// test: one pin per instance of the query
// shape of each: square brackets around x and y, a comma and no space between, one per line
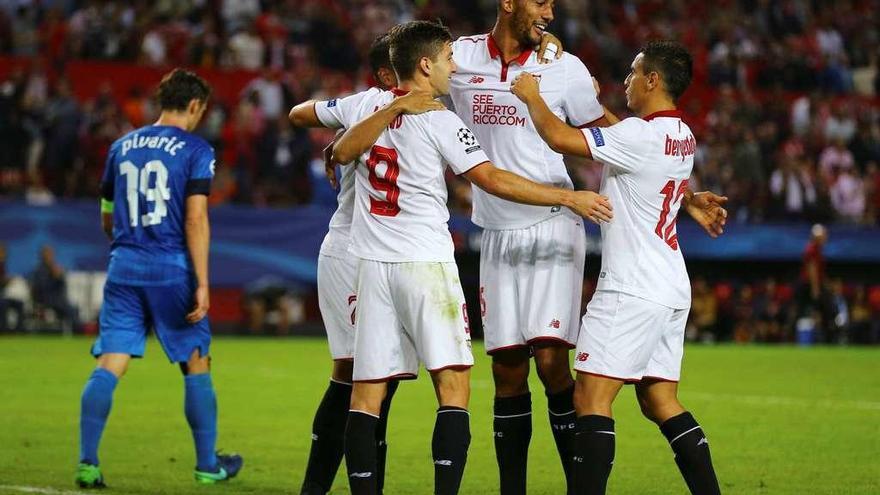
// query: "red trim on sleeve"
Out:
[398,92]
[677,114]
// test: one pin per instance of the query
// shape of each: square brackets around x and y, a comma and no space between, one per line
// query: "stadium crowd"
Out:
[784,104]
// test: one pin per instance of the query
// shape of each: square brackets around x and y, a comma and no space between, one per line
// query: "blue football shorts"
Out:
[129,311]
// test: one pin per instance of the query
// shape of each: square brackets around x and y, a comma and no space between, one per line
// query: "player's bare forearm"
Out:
[512,187]
[561,137]
[305,115]
[361,136]
[198,236]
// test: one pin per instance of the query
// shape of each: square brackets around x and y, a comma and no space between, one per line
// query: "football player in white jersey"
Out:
[410,304]
[337,299]
[633,331]
[532,257]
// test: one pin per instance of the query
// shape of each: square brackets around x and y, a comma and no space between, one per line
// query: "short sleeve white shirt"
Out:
[647,165]
[332,114]
[400,212]
[480,93]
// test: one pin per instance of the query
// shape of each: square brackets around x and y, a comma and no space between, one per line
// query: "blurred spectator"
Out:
[792,189]
[773,103]
[815,309]
[848,196]
[11,308]
[864,325]
[704,312]
[247,48]
[840,322]
[49,289]
[771,313]
[836,156]
[744,314]
[271,303]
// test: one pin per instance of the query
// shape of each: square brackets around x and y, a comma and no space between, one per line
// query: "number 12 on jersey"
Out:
[671,196]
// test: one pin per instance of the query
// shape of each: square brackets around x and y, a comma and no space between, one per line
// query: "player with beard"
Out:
[410,305]
[532,257]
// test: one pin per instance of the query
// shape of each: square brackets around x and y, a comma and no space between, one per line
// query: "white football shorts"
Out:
[337,300]
[531,281]
[408,313]
[630,338]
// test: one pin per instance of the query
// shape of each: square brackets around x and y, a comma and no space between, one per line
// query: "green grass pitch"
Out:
[781,420]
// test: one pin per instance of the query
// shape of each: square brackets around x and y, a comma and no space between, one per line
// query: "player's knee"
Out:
[114,363]
[659,408]
[510,370]
[592,399]
[197,364]
[367,397]
[645,407]
[553,369]
[453,387]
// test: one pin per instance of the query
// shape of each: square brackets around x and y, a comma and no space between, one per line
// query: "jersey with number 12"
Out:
[149,174]
[647,165]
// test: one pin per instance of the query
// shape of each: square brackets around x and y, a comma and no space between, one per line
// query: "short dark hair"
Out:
[672,61]
[179,87]
[413,40]
[379,55]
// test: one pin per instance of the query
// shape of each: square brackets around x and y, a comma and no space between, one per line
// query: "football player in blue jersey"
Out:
[154,208]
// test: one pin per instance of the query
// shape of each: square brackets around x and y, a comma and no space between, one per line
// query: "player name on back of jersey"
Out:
[680,147]
[170,145]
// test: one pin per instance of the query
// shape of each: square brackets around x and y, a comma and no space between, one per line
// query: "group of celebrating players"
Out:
[388,285]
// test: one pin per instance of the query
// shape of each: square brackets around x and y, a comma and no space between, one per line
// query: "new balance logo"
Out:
[443,462]
[314,437]
[554,324]
[702,441]
[476,80]
[360,475]
[583,356]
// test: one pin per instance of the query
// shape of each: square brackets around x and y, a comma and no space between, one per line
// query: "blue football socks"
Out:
[200,406]
[97,397]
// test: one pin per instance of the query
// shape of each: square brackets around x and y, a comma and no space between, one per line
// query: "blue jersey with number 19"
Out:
[148,175]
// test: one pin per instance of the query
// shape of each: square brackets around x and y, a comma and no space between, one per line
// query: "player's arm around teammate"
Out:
[706,208]
[632,332]
[498,182]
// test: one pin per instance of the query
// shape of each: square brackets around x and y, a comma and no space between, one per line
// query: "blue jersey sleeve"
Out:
[201,171]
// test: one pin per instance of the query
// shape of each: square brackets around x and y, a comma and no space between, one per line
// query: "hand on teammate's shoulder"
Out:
[416,102]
